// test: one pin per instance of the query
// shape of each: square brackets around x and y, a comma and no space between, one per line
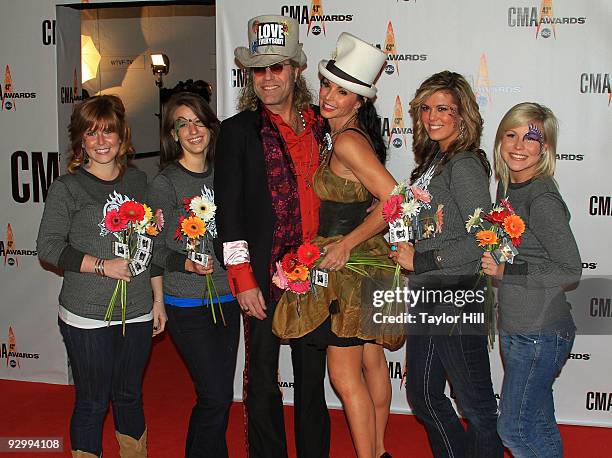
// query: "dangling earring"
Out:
[462,129]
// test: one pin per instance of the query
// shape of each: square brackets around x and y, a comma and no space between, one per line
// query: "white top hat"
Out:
[354,65]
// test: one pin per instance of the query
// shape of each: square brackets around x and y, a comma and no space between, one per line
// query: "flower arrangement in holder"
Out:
[197,228]
[132,223]
[401,211]
[499,232]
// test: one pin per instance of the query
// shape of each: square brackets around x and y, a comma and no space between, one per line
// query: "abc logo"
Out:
[8,105]
[389,69]
[397,142]
[316,30]
[545,33]
[13,363]
[10,261]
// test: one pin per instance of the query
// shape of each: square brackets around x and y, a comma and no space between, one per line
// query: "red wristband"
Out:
[241,278]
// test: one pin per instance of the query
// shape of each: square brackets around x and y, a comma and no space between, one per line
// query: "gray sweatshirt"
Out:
[167,191]
[69,230]
[531,293]
[461,185]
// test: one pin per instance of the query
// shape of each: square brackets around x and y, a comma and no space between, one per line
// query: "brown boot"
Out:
[80,454]
[130,447]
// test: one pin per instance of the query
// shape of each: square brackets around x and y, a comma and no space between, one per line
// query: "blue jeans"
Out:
[209,349]
[106,367]
[527,423]
[464,360]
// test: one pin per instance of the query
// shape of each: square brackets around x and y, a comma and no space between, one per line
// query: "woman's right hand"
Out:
[117,268]
[199,269]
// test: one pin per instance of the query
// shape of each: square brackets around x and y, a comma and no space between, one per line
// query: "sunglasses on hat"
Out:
[276,69]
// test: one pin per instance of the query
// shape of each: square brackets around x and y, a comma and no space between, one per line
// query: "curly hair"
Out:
[520,115]
[302,97]
[424,148]
[99,112]
[171,149]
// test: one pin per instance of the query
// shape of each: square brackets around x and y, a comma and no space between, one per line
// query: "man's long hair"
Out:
[302,97]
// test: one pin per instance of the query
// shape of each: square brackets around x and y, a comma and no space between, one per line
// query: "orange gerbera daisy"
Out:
[193,227]
[299,273]
[514,226]
[152,231]
[486,238]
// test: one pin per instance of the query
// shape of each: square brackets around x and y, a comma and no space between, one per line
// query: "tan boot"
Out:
[130,447]
[80,454]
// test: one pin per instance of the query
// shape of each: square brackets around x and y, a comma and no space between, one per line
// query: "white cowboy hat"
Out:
[354,65]
[272,39]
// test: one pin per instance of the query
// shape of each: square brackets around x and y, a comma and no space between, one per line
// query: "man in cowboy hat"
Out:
[266,207]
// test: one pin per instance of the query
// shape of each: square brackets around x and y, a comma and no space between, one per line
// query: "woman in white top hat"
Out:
[350,174]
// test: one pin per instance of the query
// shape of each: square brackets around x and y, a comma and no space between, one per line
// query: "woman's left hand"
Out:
[159,317]
[403,255]
[490,267]
[336,256]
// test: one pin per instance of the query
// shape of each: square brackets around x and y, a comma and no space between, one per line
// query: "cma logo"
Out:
[32,174]
[600,205]
[597,400]
[315,17]
[68,95]
[600,307]
[395,370]
[48,32]
[596,83]
[239,77]
[580,356]
[589,265]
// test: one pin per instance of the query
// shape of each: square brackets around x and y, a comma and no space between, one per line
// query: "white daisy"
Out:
[474,220]
[411,208]
[400,189]
[203,208]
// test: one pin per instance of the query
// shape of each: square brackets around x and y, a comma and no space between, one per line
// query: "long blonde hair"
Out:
[520,115]
[471,125]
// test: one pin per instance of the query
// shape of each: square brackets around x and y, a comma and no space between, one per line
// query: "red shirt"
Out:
[304,152]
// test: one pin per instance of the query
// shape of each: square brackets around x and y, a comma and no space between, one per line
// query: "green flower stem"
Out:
[214,287]
[123,303]
[111,304]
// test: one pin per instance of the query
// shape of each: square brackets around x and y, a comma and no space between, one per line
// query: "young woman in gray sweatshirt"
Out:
[107,365]
[446,137]
[207,343]
[535,323]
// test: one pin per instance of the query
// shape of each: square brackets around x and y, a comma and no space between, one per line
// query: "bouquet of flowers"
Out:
[130,222]
[401,211]
[499,231]
[197,228]
[297,272]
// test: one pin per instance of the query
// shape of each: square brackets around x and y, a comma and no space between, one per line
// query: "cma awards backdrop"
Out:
[556,52]
[36,99]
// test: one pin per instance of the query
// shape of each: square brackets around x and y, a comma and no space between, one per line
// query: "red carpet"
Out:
[43,410]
